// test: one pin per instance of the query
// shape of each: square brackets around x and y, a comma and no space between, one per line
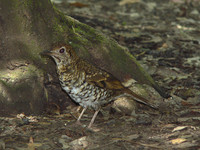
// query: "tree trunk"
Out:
[29,26]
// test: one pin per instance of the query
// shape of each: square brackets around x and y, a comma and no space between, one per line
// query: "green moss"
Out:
[27,3]
[58,28]
[124,23]
[90,33]
[115,53]
[4,83]
[65,27]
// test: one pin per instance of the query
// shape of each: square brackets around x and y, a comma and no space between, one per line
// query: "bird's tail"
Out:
[139,99]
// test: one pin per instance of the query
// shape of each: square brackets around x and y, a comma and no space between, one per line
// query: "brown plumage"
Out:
[87,84]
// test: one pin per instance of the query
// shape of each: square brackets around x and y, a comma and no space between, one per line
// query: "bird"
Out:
[87,84]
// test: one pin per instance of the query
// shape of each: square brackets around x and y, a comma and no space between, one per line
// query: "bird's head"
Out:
[61,54]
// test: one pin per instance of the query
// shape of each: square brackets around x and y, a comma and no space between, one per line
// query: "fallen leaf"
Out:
[133,137]
[178,141]
[32,145]
[124,2]
[82,142]
[179,128]
[78,4]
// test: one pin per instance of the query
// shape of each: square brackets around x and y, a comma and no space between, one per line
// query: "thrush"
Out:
[86,84]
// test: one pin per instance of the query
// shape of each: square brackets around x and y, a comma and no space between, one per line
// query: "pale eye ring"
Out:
[62,50]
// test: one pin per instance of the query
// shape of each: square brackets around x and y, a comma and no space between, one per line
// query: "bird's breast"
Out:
[86,94]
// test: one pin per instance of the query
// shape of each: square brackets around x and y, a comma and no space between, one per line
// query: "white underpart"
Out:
[79,97]
[66,88]
[76,90]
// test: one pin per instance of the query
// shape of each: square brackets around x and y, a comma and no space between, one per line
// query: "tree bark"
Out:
[29,26]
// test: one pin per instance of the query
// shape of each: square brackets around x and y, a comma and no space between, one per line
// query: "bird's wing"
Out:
[104,80]
[108,81]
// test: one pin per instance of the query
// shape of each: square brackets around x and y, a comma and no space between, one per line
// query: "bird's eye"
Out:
[62,50]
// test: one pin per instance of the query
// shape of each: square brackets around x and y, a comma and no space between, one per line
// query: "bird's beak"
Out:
[46,53]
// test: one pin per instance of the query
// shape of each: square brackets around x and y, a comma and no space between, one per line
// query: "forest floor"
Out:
[164,36]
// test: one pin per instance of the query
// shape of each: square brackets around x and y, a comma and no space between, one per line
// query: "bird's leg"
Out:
[93,118]
[79,118]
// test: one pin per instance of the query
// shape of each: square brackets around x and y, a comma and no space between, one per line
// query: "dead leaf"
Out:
[163,46]
[179,128]
[82,142]
[78,4]
[32,145]
[178,141]
[133,137]
[123,2]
